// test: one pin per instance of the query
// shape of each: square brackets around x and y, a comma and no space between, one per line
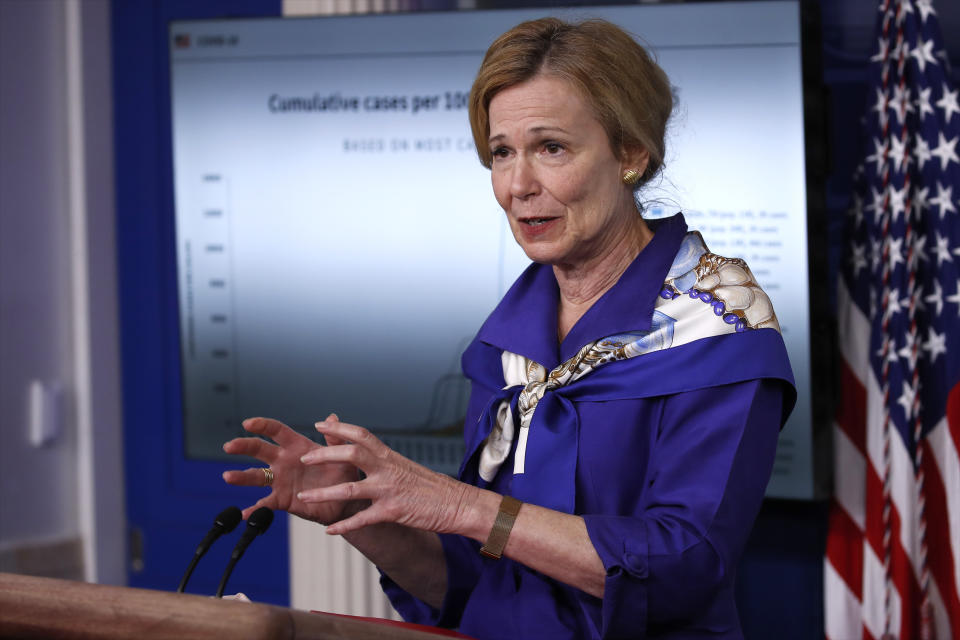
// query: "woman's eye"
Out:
[499,152]
[553,148]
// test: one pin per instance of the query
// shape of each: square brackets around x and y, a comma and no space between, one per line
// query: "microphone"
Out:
[257,524]
[226,522]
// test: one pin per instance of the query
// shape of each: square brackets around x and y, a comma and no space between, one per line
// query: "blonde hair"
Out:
[629,93]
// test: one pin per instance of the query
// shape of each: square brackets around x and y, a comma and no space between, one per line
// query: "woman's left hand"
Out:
[399,489]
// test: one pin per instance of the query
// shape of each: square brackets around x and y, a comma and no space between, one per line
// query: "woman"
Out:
[628,389]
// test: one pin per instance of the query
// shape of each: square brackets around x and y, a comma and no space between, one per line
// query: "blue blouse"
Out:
[668,480]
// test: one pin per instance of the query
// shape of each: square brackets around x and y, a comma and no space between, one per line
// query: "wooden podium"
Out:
[46,608]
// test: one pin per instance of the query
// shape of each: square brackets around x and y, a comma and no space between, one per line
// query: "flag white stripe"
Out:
[874,419]
[873,594]
[850,478]
[842,617]
[903,492]
[855,329]
[903,487]
[899,494]
[945,455]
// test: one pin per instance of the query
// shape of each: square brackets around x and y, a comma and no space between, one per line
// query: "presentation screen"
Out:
[338,241]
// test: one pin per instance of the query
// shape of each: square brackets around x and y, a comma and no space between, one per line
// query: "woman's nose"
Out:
[523,181]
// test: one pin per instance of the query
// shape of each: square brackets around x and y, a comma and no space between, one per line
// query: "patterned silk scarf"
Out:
[704,295]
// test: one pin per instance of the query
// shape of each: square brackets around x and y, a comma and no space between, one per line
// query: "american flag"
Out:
[892,567]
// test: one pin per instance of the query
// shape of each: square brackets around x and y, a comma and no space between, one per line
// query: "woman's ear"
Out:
[636,158]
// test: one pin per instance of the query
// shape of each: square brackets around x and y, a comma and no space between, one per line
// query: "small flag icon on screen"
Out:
[181,40]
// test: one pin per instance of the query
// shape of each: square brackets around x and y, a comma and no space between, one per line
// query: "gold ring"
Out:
[267,476]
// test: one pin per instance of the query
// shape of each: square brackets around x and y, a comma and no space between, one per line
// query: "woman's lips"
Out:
[534,227]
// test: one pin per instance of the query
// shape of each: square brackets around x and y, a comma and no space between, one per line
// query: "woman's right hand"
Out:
[290,476]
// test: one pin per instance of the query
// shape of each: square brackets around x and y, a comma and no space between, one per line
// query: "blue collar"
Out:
[525,321]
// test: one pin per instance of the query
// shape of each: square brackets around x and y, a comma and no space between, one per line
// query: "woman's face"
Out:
[555,175]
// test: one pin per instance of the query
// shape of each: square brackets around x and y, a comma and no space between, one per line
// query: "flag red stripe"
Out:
[940,559]
[901,570]
[873,512]
[905,581]
[852,413]
[845,549]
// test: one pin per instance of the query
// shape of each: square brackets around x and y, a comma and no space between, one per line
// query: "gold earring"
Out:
[630,176]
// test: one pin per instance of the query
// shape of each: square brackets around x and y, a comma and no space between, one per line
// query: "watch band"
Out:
[497,540]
